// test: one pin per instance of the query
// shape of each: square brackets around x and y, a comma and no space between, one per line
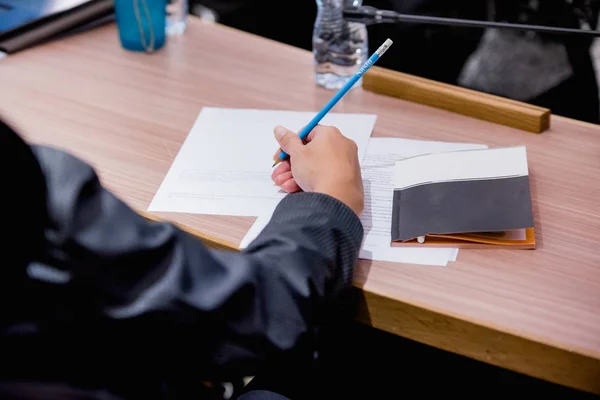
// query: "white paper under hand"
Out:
[224,166]
[255,230]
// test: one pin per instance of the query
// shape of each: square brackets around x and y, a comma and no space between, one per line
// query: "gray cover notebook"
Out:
[473,198]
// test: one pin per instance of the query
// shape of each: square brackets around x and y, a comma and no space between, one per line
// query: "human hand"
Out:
[327,163]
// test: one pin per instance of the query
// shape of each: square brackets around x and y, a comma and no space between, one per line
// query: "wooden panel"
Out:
[459,100]
[129,113]
[480,343]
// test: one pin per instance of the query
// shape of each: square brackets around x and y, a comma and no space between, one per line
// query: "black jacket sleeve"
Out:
[123,279]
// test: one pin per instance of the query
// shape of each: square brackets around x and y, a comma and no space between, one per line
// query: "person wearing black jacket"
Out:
[99,303]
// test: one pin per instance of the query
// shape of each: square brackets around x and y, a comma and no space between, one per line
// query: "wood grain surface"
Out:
[536,312]
[468,102]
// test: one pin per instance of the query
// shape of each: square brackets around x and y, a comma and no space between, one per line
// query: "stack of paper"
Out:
[377,173]
[224,167]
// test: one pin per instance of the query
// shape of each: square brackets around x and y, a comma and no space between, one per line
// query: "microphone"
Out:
[370,15]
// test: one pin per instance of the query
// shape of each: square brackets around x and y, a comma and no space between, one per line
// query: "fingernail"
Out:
[280,131]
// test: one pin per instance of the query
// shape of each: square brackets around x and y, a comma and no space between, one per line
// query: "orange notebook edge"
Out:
[464,242]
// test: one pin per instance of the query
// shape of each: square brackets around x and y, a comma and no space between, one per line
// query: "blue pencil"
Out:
[315,121]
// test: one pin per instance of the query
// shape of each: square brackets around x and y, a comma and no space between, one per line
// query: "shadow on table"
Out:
[539,237]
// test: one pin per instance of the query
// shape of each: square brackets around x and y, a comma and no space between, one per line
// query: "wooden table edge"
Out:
[481,341]
[478,340]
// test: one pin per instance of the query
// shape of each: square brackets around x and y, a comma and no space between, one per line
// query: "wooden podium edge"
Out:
[456,99]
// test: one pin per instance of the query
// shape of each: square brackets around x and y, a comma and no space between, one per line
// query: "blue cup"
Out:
[141,24]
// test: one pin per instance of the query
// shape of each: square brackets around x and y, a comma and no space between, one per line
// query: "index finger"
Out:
[276,155]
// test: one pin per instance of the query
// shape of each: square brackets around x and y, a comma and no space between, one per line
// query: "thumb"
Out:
[288,140]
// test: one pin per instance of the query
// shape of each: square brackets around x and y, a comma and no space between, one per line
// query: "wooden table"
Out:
[536,312]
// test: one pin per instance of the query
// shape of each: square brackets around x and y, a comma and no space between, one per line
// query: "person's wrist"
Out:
[349,197]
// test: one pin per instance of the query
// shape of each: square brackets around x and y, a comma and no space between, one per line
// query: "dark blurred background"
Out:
[551,71]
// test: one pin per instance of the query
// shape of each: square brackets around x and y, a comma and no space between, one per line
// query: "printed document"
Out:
[224,166]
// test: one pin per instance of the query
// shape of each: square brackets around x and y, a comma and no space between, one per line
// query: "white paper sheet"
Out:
[458,166]
[377,222]
[378,173]
[224,166]
[454,255]
[255,230]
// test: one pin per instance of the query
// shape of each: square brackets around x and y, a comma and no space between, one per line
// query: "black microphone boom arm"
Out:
[370,15]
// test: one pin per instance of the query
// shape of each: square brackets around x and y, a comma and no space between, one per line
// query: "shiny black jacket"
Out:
[94,299]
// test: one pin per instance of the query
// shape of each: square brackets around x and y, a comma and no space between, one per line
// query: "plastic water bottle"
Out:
[340,48]
[177,11]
